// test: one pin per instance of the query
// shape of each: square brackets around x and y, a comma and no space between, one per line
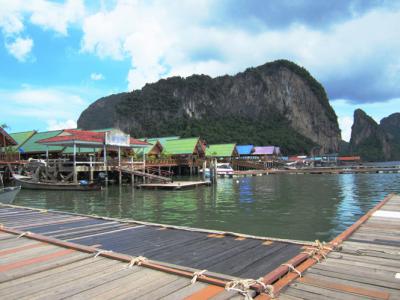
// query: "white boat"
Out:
[222,169]
[8,194]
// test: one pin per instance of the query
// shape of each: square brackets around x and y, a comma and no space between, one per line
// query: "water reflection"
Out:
[305,207]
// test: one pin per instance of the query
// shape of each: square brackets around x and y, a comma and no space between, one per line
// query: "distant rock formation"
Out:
[368,139]
[391,126]
[276,103]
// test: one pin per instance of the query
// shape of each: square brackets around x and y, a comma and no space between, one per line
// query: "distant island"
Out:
[278,103]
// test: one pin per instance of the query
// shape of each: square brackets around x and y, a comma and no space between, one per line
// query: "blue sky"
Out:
[57,57]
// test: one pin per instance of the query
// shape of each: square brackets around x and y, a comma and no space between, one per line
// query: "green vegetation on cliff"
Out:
[270,104]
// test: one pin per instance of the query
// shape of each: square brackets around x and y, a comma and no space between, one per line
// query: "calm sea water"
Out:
[303,207]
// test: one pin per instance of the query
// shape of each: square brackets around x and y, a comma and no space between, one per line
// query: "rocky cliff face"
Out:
[368,139]
[391,126]
[276,103]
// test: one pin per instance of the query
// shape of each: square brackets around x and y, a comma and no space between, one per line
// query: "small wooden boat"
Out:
[8,194]
[27,182]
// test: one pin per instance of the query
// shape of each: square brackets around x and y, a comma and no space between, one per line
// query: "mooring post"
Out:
[119,166]
[204,169]
[75,172]
[105,161]
[91,168]
[132,175]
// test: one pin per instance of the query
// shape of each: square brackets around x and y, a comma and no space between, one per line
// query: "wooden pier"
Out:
[33,269]
[361,263]
[175,185]
[317,171]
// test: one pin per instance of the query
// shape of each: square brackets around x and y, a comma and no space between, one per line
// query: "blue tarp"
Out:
[244,149]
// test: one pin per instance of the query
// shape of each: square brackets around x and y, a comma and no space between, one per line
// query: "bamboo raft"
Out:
[363,262]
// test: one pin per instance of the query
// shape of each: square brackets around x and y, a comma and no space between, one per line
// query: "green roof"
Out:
[31,145]
[21,138]
[162,140]
[221,150]
[180,146]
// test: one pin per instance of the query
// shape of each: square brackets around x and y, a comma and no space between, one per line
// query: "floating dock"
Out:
[361,263]
[318,171]
[365,264]
[175,185]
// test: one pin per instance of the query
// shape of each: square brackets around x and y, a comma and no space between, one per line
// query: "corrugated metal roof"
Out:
[265,150]
[31,146]
[244,149]
[180,146]
[160,139]
[70,136]
[221,150]
[21,138]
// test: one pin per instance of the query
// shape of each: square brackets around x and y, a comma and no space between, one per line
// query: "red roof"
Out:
[349,158]
[9,140]
[69,135]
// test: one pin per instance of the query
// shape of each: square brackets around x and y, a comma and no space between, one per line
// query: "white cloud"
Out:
[47,15]
[50,105]
[57,125]
[160,40]
[56,16]
[20,48]
[96,76]
[345,123]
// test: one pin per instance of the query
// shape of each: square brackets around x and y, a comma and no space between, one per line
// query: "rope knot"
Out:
[137,261]
[243,286]
[196,275]
[291,267]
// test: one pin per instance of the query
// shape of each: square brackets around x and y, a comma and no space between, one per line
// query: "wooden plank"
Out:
[40,284]
[314,292]
[43,266]
[344,288]
[371,281]
[167,289]
[78,285]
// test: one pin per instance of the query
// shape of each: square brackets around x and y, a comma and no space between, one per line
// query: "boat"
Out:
[27,182]
[8,194]
[222,170]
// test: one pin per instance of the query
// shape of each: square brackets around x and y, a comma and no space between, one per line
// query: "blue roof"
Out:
[244,149]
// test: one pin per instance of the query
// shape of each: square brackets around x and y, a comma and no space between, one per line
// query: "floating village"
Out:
[83,159]
[50,254]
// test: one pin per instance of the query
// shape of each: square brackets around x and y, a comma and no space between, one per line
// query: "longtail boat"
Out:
[27,182]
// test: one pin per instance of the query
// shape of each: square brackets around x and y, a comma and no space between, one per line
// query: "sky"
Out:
[57,57]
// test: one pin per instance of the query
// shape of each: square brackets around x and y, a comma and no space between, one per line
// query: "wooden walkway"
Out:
[361,263]
[183,251]
[32,269]
[364,265]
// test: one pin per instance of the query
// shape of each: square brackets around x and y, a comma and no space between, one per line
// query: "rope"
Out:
[137,261]
[319,248]
[23,234]
[291,267]
[100,252]
[197,275]
[243,286]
